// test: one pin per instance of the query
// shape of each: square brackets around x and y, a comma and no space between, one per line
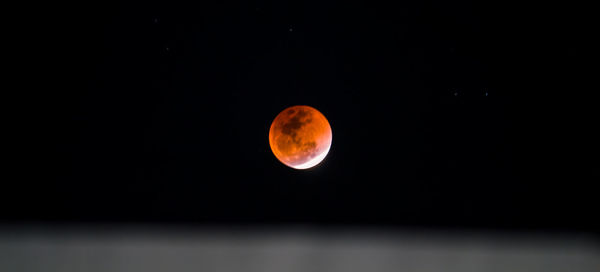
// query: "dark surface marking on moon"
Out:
[295,123]
[291,127]
[309,146]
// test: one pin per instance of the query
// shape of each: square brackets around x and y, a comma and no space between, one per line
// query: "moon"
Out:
[300,137]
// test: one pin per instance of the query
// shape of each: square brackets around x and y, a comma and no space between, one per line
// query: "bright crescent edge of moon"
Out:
[314,161]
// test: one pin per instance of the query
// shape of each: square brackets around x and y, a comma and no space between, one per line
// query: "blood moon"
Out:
[300,137]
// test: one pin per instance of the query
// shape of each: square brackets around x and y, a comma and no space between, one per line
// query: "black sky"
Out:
[443,115]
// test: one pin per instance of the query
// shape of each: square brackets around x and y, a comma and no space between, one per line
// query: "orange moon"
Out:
[300,137]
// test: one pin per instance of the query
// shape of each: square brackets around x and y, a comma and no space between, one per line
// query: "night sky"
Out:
[444,115]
